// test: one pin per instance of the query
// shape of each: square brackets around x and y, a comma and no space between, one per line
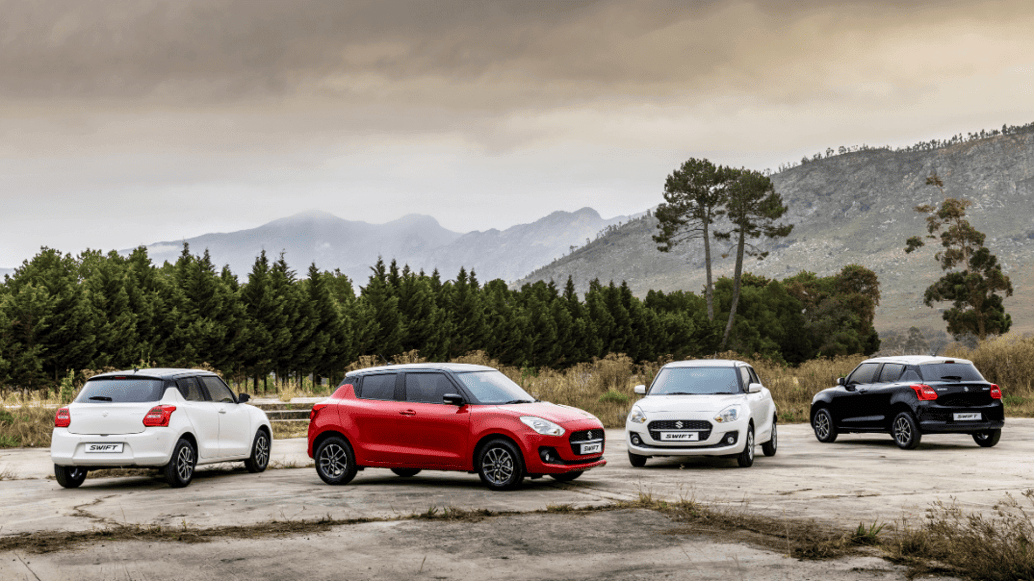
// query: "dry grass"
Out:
[1009,362]
[284,430]
[992,548]
[8,473]
[27,424]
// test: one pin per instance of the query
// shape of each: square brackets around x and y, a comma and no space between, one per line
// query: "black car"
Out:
[909,396]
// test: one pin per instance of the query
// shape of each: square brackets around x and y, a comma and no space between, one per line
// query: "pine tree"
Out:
[379,297]
[467,315]
[105,280]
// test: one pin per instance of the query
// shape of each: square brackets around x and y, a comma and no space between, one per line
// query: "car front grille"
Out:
[585,436]
[702,426]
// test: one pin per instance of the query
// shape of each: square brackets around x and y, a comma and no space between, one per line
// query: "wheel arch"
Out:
[496,436]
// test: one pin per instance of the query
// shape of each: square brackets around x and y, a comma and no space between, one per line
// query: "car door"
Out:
[432,433]
[235,431]
[765,410]
[203,416]
[876,398]
[850,410]
[376,414]
[756,402]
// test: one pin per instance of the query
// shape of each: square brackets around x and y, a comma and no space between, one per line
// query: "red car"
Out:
[449,417]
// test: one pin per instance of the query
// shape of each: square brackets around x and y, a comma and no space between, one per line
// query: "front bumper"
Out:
[641,440]
[152,447]
[560,454]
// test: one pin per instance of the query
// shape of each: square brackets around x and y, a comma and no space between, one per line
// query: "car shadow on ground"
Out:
[964,441]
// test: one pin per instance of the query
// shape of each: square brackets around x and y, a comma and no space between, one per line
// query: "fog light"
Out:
[730,439]
[548,455]
[636,441]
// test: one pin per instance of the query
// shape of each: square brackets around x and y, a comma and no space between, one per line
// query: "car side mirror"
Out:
[841,381]
[640,389]
[754,388]
[243,397]
[453,399]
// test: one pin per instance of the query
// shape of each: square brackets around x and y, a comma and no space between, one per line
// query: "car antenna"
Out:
[383,359]
[135,369]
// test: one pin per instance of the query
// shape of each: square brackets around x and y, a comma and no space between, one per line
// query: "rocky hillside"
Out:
[855,208]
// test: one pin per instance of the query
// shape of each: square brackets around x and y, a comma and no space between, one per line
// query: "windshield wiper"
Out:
[518,401]
[682,393]
[100,397]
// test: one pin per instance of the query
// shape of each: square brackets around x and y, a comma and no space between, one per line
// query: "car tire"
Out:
[567,476]
[180,469]
[69,476]
[335,461]
[905,431]
[259,453]
[406,472]
[987,438]
[500,465]
[746,458]
[770,447]
[825,429]
[636,460]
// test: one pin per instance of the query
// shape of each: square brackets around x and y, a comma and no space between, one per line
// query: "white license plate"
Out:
[964,417]
[104,448]
[680,436]
[592,448]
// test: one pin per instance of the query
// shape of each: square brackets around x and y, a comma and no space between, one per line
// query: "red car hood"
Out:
[558,414]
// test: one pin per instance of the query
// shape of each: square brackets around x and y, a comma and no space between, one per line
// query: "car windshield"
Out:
[121,390]
[950,372]
[493,388]
[695,381]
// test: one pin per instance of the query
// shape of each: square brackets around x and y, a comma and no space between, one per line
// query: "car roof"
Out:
[156,372]
[916,359]
[707,363]
[454,367]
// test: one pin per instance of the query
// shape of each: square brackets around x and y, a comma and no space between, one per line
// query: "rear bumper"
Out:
[941,419]
[943,427]
[152,447]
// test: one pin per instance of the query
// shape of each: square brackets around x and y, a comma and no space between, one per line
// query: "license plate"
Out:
[680,436]
[592,448]
[104,448]
[964,417]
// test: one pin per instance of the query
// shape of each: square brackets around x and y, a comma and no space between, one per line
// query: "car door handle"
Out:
[222,411]
[408,413]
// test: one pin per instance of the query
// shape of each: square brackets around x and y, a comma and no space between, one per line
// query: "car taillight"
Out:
[924,392]
[996,392]
[159,416]
[316,410]
[63,418]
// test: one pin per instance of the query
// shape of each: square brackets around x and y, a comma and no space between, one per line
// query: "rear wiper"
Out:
[100,397]
[955,377]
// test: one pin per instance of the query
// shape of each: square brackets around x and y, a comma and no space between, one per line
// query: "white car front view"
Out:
[171,419]
[702,408]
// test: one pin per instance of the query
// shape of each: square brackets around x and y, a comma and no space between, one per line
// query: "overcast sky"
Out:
[129,122]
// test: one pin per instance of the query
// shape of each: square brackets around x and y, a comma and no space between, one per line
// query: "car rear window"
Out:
[950,372]
[121,390]
[695,381]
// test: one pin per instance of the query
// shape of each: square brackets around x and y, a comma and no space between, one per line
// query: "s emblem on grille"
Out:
[965,388]
[588,435]
[678,424]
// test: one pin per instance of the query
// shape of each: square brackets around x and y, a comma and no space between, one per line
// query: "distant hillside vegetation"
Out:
[856,207]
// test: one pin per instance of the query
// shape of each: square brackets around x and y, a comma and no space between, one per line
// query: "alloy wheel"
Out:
[262,450]
[822,425]
[333,460]
[185,463]
[902,431]
[497,465]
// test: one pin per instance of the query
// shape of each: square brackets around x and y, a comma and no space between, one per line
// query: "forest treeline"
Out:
[60,313]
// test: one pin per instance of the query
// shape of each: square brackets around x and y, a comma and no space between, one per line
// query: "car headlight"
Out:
[544,427]
[637,416]
[729,414]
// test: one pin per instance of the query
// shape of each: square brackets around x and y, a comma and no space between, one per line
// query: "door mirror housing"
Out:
[841,381]
[640,390]
[754,388]
[453,399]
[243,397]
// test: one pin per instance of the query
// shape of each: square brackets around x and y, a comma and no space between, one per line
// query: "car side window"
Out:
[218,390]
[753,375]
[380,386]
[744,377]
[864,373]
[891,372]
[190,390]
[428,387]
[911,375]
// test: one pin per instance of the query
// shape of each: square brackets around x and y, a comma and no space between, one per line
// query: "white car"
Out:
[706,407]
[172,419]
